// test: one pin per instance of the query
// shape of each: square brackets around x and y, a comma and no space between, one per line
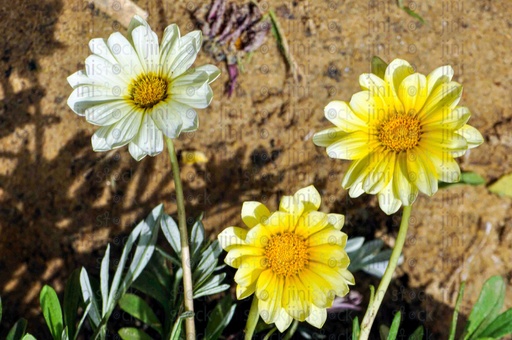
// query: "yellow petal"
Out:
[322,293]
[329,236]
[404,189]
[330,255]
[382,173]
[269,308]
[371,82]
[413,93]
[342,116]
[443,140]
[317,316]
[370,105]
[265,284]
[356,190]
[472,136]
[333,276]
[327,137]
[396,72]
[336,220]
[295,299]
[447,168]
[445,95]
[259,236]
[388,202]
[421,172]
[234,256]
[232,236]
[243,292]
[447,119]
[283,320]
[311,222]
[250,269]
[280,222]
[254,213]
[292,205]
[440,75]
[360,168]
[354,145]
[310,197]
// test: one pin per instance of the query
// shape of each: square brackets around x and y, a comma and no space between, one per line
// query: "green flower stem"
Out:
[185,249]
[373,308]
[291,330]
[252,319]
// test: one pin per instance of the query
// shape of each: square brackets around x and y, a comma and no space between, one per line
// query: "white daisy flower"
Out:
[138,91]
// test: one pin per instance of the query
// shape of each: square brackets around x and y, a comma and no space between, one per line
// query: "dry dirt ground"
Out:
[60,202]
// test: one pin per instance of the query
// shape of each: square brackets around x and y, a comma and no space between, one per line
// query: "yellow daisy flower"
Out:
[402,133]
[294,259]
[137,91]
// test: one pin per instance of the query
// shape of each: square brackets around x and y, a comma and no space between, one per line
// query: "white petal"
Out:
[212,71]
[123,131]
[99,139]
[86,96]
[189,118]
[99,47]
[327,137]
[444,95]
[196,97]
[125,54]
[136,22]
[186,53]
[404,189]
[169,46]
[413,93]
[107,113]
[105,74]
[167,117]
[283,320]
[79,78]
[146,45]
[136,152]
[396,72]
[149,138]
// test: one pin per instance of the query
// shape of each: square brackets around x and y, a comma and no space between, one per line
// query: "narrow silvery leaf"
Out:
[171,233]
[207,264]
[86,312]
[119,271]
[212,286]
[145,246]
[104,278]
[197,236]
[354,244]
[88,294]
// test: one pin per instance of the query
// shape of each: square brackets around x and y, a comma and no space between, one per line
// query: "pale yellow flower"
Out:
[294,259]
[402,133]
[138,90]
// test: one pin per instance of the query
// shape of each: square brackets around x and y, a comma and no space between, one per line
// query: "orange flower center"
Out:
[287,254]
[400,132]
[148,90]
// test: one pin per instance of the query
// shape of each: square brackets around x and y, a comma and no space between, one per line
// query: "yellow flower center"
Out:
[287,254]
[148,90]
[400,132]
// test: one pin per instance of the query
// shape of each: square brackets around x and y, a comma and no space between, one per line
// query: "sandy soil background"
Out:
[60,202]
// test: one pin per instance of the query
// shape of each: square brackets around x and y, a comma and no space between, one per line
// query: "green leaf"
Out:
[138,308]
[355,328]
[453,327]
[207,264]
[0,308]
[212,286]
[413,14]
[28,336]
[502,186]
[220,318]
[197,237]
[418,334]
[378,67]
[383,332]
[18,330]
[130,333]
[471,178]
[176,329]
[147,232]
[52,311]
[71,301]
[104,278]
[486,308]
[88,295]
[393,331]
[171,233]
[500,327]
